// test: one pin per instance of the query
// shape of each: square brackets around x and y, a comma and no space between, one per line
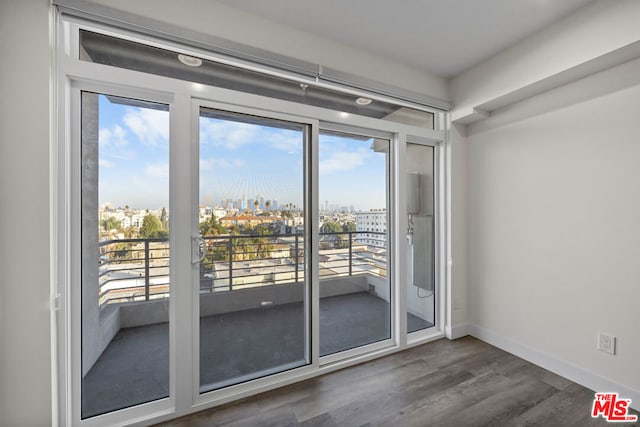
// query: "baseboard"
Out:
[457,331]
[563,368]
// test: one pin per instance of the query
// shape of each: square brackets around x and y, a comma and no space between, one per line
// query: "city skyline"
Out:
[237,160]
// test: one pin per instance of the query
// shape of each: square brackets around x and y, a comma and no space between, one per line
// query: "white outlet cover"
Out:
[606,343]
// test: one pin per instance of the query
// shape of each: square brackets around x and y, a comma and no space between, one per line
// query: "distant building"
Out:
[369,224]
[247,220]
[206,212]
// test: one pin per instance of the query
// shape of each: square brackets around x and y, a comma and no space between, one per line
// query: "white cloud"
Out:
[234,135]
[343,161]
[230,135]
[215,163]
[150,126]
[290,142]
[116,137]
[105,163]
[159,170]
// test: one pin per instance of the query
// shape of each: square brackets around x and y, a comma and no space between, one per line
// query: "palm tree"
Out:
[267,204]
[256,204]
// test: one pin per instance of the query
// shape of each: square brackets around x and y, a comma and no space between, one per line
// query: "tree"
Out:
[286,214]
[212,227]
[331,227]
[267,204]
[110,223]
[262,230]
[121,251]
[151,228]
[335,227]
[164,220]
[349,226]
[130,232]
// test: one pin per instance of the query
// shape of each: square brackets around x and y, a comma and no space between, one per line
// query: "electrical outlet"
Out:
[606,343]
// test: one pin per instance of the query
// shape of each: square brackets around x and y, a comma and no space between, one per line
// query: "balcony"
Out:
[251,311]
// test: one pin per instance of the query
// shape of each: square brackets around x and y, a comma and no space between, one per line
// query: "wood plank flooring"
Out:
[459,383]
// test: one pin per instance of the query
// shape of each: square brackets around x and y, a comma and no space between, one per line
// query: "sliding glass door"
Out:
[125,279]
[353,261]
[215,241]
[253,269]
[272,201]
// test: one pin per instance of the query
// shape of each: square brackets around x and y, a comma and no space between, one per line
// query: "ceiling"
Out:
[444,37]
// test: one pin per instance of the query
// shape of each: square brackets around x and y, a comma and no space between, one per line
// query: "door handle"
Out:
[198,249]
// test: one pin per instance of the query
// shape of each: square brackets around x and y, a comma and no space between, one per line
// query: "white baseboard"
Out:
[457,331]
[563,368]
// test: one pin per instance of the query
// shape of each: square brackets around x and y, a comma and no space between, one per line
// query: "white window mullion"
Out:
[182,189]
[399,231]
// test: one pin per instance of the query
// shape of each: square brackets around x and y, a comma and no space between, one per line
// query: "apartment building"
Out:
[372,227]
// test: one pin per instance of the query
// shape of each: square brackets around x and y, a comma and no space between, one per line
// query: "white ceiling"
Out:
[445,37]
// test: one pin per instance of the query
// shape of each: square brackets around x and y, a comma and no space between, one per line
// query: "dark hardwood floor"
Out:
[459,383]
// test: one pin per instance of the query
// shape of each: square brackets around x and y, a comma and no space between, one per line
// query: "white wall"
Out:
[539,61]
[25,351]
[233,24]
[551,204]
[554,231]
[459,292]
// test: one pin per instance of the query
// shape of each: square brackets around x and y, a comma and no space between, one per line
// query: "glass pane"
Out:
[420,238]
[125,252]
[253,295]
[355,291]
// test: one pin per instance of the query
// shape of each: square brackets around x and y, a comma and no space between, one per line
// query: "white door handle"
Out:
[198,249]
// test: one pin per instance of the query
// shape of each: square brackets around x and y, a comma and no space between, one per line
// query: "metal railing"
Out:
[133,270]
[138,269]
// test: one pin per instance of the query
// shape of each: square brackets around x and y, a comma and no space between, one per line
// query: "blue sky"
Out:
[133,156]
[235,159]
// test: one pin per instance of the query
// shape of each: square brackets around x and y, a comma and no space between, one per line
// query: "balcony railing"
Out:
[138,269]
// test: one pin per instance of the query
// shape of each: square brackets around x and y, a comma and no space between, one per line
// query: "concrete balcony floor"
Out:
[234,347]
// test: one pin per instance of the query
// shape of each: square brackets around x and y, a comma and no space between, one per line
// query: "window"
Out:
[421,274]
[230,230]
[254,305]
[355,289]
[125,252]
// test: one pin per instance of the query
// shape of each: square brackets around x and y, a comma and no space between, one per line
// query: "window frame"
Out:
[74,75]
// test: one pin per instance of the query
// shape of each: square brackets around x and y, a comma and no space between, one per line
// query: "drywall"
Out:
[212,18]
[574,44]
[552,216]
[459,291]
[25,350]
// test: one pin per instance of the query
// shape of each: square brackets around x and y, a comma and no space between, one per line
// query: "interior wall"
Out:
[598,29]
[213,18]
[25,350]
[459,291]
[552,217]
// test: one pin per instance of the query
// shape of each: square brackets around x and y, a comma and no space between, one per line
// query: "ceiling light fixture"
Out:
[190,60]
[363,101]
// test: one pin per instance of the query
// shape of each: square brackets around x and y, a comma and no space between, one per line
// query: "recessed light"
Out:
[363,101]
[190,60]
